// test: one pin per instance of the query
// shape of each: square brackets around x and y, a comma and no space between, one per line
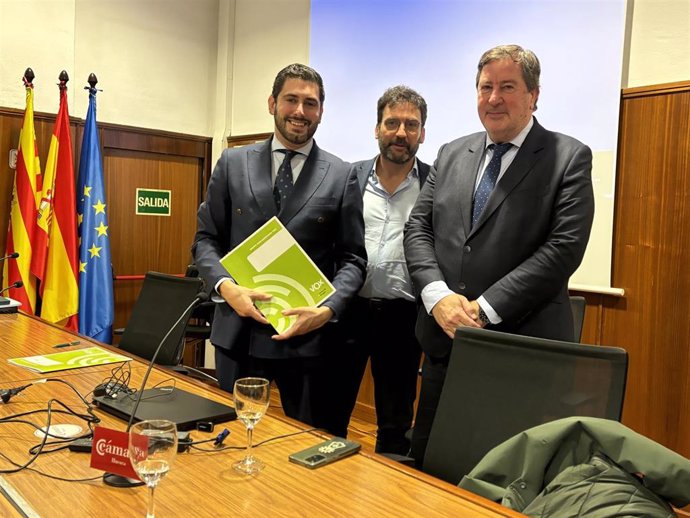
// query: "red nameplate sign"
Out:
[110,452]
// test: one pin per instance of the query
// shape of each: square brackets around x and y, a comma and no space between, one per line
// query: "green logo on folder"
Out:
[270,260]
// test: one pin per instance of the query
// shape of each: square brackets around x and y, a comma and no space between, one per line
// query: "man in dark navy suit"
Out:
[499,227]
[317,198]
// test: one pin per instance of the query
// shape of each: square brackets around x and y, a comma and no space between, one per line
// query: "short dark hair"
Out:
[297,71]
[400,94]
[524,58]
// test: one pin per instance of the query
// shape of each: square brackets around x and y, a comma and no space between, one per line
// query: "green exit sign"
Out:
[153,202]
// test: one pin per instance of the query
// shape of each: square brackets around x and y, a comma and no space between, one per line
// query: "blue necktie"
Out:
[283,185]
[488,181]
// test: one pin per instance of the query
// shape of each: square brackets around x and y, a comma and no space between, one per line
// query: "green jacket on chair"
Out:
[582,466]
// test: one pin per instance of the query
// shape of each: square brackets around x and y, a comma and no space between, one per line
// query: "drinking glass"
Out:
[152,449]
[251,403]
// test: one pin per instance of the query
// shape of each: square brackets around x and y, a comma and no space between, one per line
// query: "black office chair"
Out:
[498,385]
[577,304]
[161,301]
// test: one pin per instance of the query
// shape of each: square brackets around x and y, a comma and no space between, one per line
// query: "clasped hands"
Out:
[454,311]
[242,300]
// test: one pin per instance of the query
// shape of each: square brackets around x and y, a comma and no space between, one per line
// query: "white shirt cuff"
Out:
[494,317]
[433,292]
[216,297]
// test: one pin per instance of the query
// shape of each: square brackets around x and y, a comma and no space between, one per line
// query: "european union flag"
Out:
[96,305]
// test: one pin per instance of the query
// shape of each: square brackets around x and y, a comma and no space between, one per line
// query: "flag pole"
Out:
[96,301]
[28,78]
[93,81]
[57,260]
[20,230]
[64,77]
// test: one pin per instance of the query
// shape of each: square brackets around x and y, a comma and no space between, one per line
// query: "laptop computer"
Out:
[179,406]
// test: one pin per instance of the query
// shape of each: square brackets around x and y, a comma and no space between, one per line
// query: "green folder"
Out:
[66,360]
[271,261]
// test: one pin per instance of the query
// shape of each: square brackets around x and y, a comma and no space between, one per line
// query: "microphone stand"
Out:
[112,479]
[4,301]
[16,284]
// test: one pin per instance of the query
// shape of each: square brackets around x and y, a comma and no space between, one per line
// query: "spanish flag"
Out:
[23,211]
[55,252]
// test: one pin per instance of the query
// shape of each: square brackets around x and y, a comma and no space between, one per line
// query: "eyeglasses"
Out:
[411,125]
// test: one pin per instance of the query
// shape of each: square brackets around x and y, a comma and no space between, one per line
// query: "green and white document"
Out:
[270,260]
[69,360]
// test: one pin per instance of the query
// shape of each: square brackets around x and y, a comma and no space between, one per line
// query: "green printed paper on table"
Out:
[271,261]
[66,360]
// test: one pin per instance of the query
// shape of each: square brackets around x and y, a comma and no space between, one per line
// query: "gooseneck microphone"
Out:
[200,297]
[13,255]
[16,284]
[119,481]
[4,301]
[6,394]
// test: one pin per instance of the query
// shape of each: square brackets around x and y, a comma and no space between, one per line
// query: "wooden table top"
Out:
[203,483]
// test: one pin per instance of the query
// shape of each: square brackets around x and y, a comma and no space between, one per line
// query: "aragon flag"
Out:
[23,211]
[96,304]
[55,254]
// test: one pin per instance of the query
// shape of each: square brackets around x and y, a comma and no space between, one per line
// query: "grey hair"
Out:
[524,58]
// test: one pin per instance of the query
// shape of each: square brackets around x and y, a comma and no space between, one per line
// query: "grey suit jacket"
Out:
[323,213]
[529,240]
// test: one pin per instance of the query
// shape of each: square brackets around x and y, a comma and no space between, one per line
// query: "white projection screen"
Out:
[362,47]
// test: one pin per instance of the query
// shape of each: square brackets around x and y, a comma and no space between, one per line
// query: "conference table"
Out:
[200,483]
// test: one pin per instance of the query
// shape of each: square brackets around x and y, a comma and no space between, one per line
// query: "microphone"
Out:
[6,394]
[200,297]
[116,480]
[13,255]
[4,301]
[16,284]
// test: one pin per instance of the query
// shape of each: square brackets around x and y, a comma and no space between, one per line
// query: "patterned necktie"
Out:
[488,181]
[283,185]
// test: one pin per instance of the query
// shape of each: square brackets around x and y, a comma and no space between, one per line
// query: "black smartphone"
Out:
[81,445]
[325,452]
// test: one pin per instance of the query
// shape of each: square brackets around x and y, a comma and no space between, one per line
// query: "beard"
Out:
[295,138]
[395,157]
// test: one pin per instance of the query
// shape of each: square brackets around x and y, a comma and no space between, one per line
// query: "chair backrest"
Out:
[162,300]
[498,385]
[577,304]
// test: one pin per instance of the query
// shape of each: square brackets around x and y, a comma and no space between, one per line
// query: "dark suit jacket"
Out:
[529,240]
[323,213]
[363,169]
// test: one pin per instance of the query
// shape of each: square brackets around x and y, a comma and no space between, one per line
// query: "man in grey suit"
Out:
[499,227]
[382,316]
[317,198]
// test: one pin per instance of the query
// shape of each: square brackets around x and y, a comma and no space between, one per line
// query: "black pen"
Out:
[68,344]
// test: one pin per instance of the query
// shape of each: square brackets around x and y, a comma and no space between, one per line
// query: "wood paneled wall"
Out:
[132,157]
[135,158]
[652,263]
